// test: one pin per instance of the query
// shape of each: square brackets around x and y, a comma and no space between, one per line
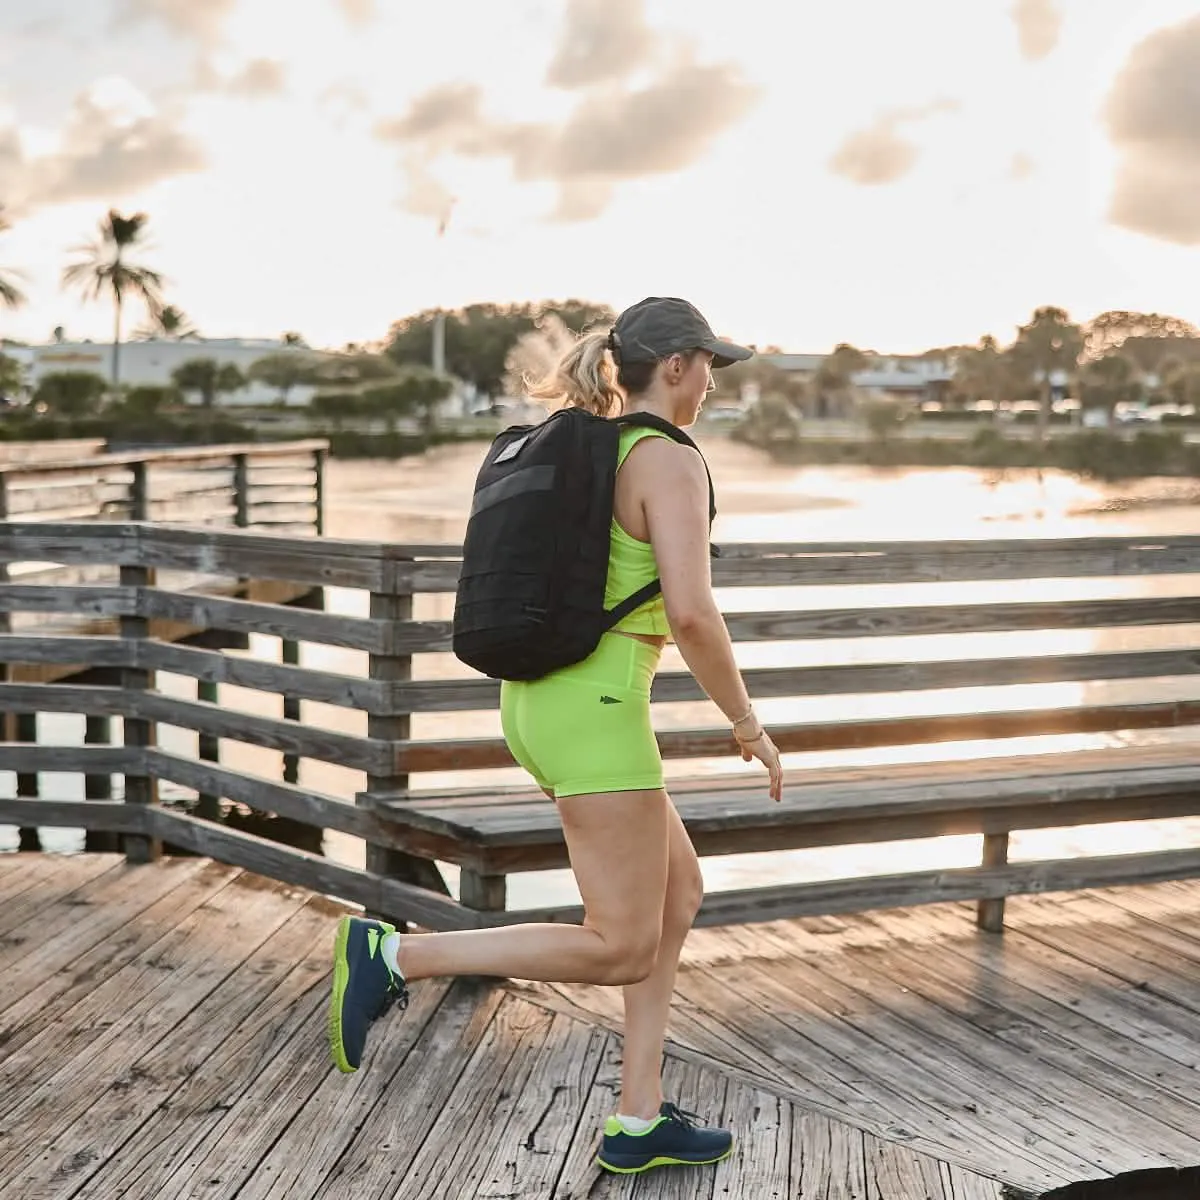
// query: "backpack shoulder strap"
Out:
[650,421]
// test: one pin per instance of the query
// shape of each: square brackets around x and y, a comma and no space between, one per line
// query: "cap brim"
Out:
[725,354]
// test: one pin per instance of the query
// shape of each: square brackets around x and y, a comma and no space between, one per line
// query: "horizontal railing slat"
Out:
[298,867]
[463,754]
[84,760]
[291,737]
[467,695]
[114,815]
[303,683]
[266,795]
[278,620]
[913,888]
[417,637]
[820,564]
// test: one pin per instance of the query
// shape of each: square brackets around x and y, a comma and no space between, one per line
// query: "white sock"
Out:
[389,948]
[634,1124]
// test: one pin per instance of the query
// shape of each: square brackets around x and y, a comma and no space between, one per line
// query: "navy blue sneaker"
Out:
[363,988]
[671,1140]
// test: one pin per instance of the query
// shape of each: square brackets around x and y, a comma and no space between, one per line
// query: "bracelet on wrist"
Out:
[743,720]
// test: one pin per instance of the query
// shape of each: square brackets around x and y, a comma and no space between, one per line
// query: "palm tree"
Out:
[168,322]
[105,269]
[11,296]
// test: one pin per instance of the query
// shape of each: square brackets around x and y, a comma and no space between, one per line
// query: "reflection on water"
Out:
[425,501]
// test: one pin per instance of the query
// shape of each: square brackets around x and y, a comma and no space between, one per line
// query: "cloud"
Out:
[358,12]
[601,40]
[1153,118]
[612,135]
[1039,23]
[259,77]
[1021,167]
[199,19]
[881,153]
[104,154]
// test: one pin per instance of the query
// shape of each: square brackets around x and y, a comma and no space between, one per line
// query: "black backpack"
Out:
[535,558]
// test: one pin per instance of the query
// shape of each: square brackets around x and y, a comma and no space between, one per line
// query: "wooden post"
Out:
[290,655]
[139,491]
[29,839]
[313,600]
[990,914]
[485,893]
[319,457]
[139,732]
[98,732]
[7,724]
[241,490]
[394,727]
[208,749]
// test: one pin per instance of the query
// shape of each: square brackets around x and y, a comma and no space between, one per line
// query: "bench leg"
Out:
[484,893]
[990,915]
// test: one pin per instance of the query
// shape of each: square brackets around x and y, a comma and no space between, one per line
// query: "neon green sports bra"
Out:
[631,562]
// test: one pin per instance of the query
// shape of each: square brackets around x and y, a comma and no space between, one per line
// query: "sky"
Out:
[899,176]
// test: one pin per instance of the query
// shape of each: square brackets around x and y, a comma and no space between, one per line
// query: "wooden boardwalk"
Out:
[161,1036]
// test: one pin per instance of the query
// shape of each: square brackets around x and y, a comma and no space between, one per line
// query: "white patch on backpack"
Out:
[512,449]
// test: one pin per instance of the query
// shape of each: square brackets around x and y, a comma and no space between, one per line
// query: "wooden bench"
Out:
[1101,587]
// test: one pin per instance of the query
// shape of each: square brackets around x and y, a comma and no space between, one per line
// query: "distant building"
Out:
[151,362]
[898,375]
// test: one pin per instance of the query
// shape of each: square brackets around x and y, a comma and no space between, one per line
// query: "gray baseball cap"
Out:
[661,325]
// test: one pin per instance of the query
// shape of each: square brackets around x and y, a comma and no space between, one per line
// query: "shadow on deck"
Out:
[162,1035]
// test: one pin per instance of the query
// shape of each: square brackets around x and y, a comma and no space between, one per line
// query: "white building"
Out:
[885,374]
[151,362]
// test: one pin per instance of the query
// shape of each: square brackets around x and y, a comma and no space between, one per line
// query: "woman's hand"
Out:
[757,744]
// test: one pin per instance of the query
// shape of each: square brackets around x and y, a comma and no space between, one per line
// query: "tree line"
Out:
[1118,356]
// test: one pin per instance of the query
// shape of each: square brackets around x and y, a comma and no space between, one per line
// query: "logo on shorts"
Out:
[609,700]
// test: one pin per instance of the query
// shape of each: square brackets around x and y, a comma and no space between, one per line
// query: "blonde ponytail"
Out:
[585,377]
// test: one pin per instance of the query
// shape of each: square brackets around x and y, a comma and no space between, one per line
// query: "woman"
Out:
[584,734]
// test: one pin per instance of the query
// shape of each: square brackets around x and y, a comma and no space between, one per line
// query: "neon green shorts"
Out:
[586,728]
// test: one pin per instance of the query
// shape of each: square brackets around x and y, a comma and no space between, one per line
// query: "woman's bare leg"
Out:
[618,845]
[647,1004]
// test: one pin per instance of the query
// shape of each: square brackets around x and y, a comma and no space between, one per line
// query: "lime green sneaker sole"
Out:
[341,977]
[663,1161]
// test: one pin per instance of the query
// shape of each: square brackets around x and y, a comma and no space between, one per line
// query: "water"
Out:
[424,500]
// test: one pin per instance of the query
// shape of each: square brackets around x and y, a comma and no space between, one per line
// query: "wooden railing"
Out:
[276,486]
[358,719]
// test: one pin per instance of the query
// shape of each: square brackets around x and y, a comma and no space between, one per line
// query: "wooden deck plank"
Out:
[897,1170]
[829,1158]
[525,1156]
[1066,1074]
[263,994]
[54,887]
[262,1095]
[21,870]
[326,1125]
[419,1085]
[29,1011]
[965,1186]
[181,1054]
[106,906]
[761,1162]
[447,1164]
[140,1004]
[1160,962]
[890,1061]
[1065,1108]
[1176,910]
[1127,1014]
[1018,1013]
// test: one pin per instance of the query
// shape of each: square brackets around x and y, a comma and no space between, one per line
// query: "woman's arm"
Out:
[675,502]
